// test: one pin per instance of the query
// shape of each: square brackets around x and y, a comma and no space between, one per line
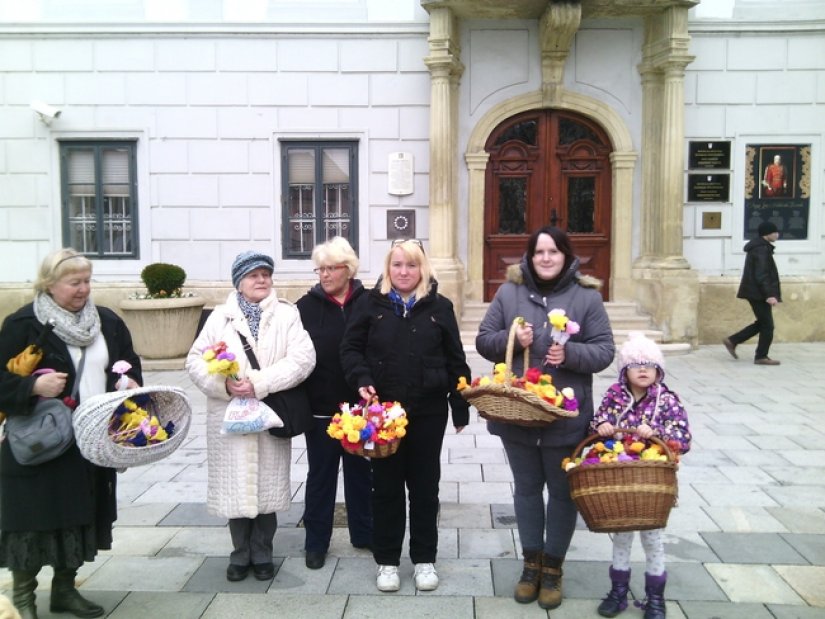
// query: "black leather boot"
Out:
[23,593]
[616,600]
[67,599]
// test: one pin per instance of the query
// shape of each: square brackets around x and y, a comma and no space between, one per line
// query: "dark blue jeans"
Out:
[541,527]
[416,467]
[762,326]
[324,455]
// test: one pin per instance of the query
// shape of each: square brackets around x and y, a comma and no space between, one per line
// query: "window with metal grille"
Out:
[99,198]
[319,195]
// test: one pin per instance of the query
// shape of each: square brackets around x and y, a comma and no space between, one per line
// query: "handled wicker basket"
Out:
[503,402]
[624,496]
[92,418]
[381,450]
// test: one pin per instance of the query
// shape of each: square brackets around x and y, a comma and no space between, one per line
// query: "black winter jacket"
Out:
[325,322]
[59,493]
[414,359]
[760,278]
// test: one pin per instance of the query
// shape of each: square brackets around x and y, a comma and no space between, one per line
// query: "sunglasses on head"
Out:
[398,242]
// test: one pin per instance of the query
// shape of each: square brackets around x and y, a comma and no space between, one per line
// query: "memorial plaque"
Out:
[708,187]
[709,156]
[401,224]
[711,220]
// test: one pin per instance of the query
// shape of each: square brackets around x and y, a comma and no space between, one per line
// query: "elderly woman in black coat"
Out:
[59,512]
[325,310]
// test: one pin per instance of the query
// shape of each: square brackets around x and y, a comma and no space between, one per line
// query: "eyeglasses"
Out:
[332,269]
[398,242]
[648,365]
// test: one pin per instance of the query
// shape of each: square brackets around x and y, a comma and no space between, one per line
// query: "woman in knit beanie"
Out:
[248,474]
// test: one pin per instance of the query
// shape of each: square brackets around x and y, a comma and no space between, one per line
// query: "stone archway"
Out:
[623,161]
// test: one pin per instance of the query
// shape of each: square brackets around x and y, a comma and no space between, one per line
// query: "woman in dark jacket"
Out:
[547,279]
[59,512]
[325,310]
[402,344]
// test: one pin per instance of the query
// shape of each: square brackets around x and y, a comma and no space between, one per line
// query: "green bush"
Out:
[163,280]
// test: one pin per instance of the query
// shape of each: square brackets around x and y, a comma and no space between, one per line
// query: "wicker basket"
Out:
[91,426]
[382,450]
[503,402]
[624,496]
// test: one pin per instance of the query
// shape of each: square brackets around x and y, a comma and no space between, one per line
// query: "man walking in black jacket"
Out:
[760,286]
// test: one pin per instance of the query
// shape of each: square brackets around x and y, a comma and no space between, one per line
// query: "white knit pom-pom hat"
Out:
[640,349]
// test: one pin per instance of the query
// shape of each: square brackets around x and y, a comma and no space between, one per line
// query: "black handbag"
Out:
[47,431]
[291,405]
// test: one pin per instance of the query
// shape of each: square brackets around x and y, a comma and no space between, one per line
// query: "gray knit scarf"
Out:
[75,328]
[252,312]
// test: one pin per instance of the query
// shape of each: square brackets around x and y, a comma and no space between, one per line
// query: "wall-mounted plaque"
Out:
[400,177]
[711,220]
[778,189]
[708,187]
[401,224]
[709,155]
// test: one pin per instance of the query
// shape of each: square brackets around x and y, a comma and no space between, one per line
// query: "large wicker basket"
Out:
[503,402]
[624,496]
[91,426]
[382,450]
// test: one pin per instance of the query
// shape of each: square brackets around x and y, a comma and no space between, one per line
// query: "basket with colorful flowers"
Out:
[372,429]
[625,483]
[133,427]
[529,400]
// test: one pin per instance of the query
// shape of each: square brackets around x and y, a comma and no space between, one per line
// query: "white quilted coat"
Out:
[249,474]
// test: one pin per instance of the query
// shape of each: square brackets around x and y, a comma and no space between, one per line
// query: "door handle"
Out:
[554,218]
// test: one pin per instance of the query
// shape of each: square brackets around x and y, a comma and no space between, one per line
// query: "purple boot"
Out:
[654,605]
[616,600]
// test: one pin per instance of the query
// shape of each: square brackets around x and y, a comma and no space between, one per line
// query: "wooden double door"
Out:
[547,167]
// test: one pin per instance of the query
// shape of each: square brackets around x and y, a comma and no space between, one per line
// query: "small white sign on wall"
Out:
[400,178]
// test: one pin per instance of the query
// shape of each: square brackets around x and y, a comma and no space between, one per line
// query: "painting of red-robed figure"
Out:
[778,172]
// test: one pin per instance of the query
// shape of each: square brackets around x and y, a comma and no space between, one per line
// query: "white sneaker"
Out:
[388,579]
[426,578]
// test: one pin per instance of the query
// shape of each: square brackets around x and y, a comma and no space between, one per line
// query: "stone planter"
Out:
[162,328]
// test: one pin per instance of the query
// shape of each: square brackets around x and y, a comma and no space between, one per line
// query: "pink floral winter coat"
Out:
[660,408]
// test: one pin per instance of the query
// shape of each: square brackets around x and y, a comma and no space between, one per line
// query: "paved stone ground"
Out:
[746,541]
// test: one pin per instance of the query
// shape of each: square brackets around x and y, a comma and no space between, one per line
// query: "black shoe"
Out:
[315,560]
[70,601]
[730,347]
[235,573]
[264,571]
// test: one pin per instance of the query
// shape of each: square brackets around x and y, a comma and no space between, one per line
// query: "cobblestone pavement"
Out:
[747,539]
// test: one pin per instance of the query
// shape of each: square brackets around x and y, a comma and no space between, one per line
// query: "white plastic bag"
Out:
[248,415]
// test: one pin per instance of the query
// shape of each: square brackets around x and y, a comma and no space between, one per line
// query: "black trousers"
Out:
[325,455]
[762,326]
[415,469]
[252,539]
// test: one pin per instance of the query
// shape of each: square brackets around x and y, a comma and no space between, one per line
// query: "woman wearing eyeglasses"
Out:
[402,344]
[547,278]
[325,310]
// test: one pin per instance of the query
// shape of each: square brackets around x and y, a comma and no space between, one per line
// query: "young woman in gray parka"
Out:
[547,278]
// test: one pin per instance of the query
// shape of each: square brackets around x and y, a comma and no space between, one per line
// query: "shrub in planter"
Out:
[163,281]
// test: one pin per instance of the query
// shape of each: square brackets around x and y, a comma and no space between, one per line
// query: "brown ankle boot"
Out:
[550,589]
[527,588]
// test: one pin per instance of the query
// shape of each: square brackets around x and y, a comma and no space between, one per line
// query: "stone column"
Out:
[666,286]
[445,71]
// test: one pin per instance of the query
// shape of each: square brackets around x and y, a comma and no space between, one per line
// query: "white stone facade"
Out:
[208,90]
